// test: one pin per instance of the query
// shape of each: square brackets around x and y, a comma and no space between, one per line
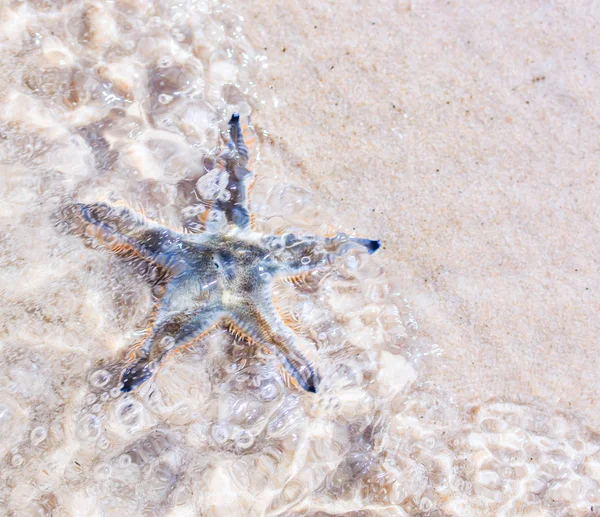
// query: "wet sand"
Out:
[464,134]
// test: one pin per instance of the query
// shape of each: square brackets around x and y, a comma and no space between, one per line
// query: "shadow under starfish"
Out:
[222,275]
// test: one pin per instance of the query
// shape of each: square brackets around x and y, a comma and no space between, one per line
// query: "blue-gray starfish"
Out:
[222,275]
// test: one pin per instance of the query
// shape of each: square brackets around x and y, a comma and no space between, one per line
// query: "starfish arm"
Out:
[236,208]
[303,254]
[236,141]
[124,232]
[171,331]
[255,318]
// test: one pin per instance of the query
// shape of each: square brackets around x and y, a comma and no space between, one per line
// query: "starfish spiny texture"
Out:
[222,275]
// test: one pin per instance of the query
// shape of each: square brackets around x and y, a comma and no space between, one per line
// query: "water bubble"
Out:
[129,413]
[284,421]
[290,240]
[115,392]
[508,473]
[178,34]
[275,244]
[124,461]
[268,391]
[100,378]
[224,196]
[165,99]
[181,495]
[103,471]
[243,439]
[16,460]
[38,435]
[425,504]
[212,184]
[167,343]
[88,428]
[164,478]
[220,432]
[305,260]
[429,442]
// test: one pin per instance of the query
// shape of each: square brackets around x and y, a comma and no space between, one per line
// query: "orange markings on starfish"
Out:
[218,264]
[239,334]
[285,315]
[296,280]
[192,342]
[288,380]
[291,322]
[328,232]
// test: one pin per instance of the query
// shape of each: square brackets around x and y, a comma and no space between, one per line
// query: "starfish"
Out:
[221,275]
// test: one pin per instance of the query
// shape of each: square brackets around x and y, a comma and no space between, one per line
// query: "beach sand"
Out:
[465,136]
[458,364]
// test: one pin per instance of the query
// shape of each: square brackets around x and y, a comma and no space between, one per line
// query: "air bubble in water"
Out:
[124,461]
[165,99]
[425,504]
[165,62]
[212,184]
[129,413]
[103,471]
[243,439]
[269,391]
[100,378]
[38,435]
[178,34]
[220,432]
[224,196]
[167,343]
[88,428]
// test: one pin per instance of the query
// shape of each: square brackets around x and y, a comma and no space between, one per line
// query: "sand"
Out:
[464,135]
[458,365]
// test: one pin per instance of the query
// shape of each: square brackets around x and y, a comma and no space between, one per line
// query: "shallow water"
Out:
[126,102]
